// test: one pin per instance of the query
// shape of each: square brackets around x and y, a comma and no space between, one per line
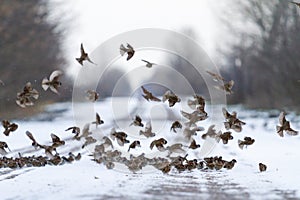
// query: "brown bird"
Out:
[193,117]
[159,143]
[134,144]
[227,87]
[194,145]
[149,96]
[137,121]
[98,120]
[56,141]
[88,140]
[75,130]
[3,145]
[198,103]
[148,130]
[262,167]
[175,125]
[247,141]
[34,142]
[175,148]
[24,98]
[232,122]
[9,127]
[107,142]
[211,132]
[284,126]
[216,77]
[148,64]
[297,4]
[129,50]
[84,56]
[120,136]
[230,164]
[53,82]
[171,97]
[189,132]
[92,95]
[225,137]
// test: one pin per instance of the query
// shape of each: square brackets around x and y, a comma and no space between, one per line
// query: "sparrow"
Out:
[232,122]
[56,141]
[129,50]
[98,120]
[159,143]
[3,145]
[166,169]
[247,141]
[194,145]
[216,77]
[148,64]
[171,97]
[88,140]
[175,148]
[53,82]
[148,130]
[189,132]
[137,121]
[75,130]
[229,164]
[211,132]
[193,117]
[92,95]
[134,144]
[225,137]
[262,167]
[198,101]
[9,127]
[24,98]
[175,125]
[120,136]
[284,126]
[227,87]
[297,4]
[84,56]
[149,96]
[107,142]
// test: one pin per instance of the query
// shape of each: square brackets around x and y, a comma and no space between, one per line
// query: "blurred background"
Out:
[255,43]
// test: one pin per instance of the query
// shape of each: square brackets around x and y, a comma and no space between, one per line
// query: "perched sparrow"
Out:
[284,126]
[53,83]
[232,122]
[175,125]
[24,98]
[129,50]
[9,127]
[149,96]
[148,64]
[84,56]
[92,95]
[262,167]
[194,145]
[75,130]
[159,143]
[247,141]
[137,121]
[98,120]
[148,130]
[230,164]
[134,144]
[171,97]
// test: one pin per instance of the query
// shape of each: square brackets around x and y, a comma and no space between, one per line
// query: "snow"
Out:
[86,179]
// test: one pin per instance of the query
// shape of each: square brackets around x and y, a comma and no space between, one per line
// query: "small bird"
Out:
[134,144]
[225,137]
[247,141]
[198,102]
[171,97]
[3,145]
[216,77]
[262,167]
[211,132]
[232,122]
[75,130]
[24,98]
[227,87]
[137,121]
[175,148]
[189,132]
[148,130]
[88,140]
[297,4]
[194,145]
[107,142]
[148,64]
[193,117]
[9,127]
[149,96]
[84,56]
[175,125]
[98,120]
[159,143]
[53,83]
[230,164]
[92,95]
[129,50]
[56,141]
[120,136]
[284,126]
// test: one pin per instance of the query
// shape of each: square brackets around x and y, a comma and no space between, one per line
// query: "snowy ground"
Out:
[86,179]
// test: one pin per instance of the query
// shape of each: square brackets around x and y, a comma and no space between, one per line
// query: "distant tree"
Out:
[264,58]
[30,48]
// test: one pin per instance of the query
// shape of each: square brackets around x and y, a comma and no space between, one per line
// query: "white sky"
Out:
[95,21]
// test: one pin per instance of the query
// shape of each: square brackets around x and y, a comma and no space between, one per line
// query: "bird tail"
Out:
[45,84]
[241,144]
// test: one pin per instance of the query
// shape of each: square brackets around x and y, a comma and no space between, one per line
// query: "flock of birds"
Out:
[105,151]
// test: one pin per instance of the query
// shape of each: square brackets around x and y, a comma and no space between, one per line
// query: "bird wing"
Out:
[82,49]
[145,91]
[55,138]
[30,136]
[55,75]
